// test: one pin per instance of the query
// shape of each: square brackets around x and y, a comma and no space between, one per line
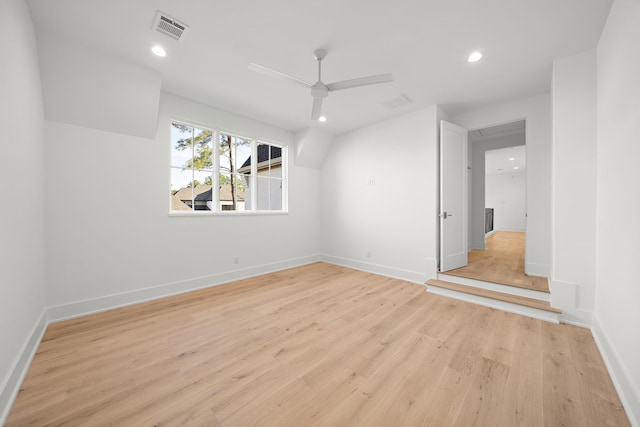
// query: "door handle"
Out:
[444,215]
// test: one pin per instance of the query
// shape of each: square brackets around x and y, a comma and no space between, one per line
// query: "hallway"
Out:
[502,262]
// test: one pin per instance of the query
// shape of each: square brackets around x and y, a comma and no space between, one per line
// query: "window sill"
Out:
[226,213]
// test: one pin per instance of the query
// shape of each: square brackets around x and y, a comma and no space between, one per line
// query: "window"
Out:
[249,175]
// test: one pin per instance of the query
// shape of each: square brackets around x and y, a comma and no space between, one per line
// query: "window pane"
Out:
[269,194]
[181,152]
[269,160]
[224,147]
[202,191]
[191,147]
[179,178]
[275,161]
[181,193]
[275,192]
[234,152]
[202,156]
[243,182]
[243,155]
[231,193]
[276,171]
[263,193]
[263,159]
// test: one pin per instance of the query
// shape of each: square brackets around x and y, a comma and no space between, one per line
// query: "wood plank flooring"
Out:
[318,345]
[502,262]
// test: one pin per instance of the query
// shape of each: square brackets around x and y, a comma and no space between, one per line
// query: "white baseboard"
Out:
[15,377]
[110,302]
[383,270]
[535,269]
[627,391]
[480,246]
[564,295]
[432,268]
[577,317]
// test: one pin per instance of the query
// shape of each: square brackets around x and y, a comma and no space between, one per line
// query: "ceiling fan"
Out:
[319,90]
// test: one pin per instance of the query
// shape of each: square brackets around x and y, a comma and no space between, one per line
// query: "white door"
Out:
[453,196]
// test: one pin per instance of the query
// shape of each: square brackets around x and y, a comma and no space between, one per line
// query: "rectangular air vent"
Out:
[399,101]
[169,26]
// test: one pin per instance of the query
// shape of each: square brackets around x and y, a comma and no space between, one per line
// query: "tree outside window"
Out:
[198,155]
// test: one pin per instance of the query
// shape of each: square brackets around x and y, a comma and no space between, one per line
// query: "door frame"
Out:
[471,178]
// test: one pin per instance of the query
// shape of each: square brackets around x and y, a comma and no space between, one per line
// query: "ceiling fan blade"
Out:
[317,108]
[362,81]
[277,74]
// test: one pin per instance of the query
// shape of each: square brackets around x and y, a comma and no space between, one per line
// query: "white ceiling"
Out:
[498,161]
[498,131]
[423,43]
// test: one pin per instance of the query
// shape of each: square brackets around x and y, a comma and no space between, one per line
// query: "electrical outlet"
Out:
[236,260]
[367,254]
[372,181]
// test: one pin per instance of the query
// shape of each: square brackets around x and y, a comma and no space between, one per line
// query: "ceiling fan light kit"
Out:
[319,90]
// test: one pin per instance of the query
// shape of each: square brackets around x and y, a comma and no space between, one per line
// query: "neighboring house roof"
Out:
[185,193]
[263,156]
[225,194]
[178,205]
[202,193]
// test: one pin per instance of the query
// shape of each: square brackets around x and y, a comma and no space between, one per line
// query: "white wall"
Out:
[379,197]
[85,87]
[22,301]
[111,240]
[574,186]
[536,111]
[478,186]
[617,306]
[505,193]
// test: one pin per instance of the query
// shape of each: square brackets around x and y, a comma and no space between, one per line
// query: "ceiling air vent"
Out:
[399,101]
[169,26]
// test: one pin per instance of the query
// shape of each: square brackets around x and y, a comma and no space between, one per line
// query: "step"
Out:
[540,284]
[507,289]
[527,306]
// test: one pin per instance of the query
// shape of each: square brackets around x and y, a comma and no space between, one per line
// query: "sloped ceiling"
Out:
[424,44]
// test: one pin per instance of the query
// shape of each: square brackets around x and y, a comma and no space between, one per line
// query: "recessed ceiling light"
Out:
[475,56]
[512,158]
[322,118]
[516,167]
[158,51]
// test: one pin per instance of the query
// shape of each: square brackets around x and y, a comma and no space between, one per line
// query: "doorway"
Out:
[497,183]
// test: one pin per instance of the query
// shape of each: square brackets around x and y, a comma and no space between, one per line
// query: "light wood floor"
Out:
[502,262]
[318,345]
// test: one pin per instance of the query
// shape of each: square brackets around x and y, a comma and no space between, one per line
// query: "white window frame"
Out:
[216,131]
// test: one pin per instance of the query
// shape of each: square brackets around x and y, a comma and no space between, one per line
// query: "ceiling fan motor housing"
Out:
[319,54]
[319,90]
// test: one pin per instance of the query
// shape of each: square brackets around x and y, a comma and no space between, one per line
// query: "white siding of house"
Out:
[269,197]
